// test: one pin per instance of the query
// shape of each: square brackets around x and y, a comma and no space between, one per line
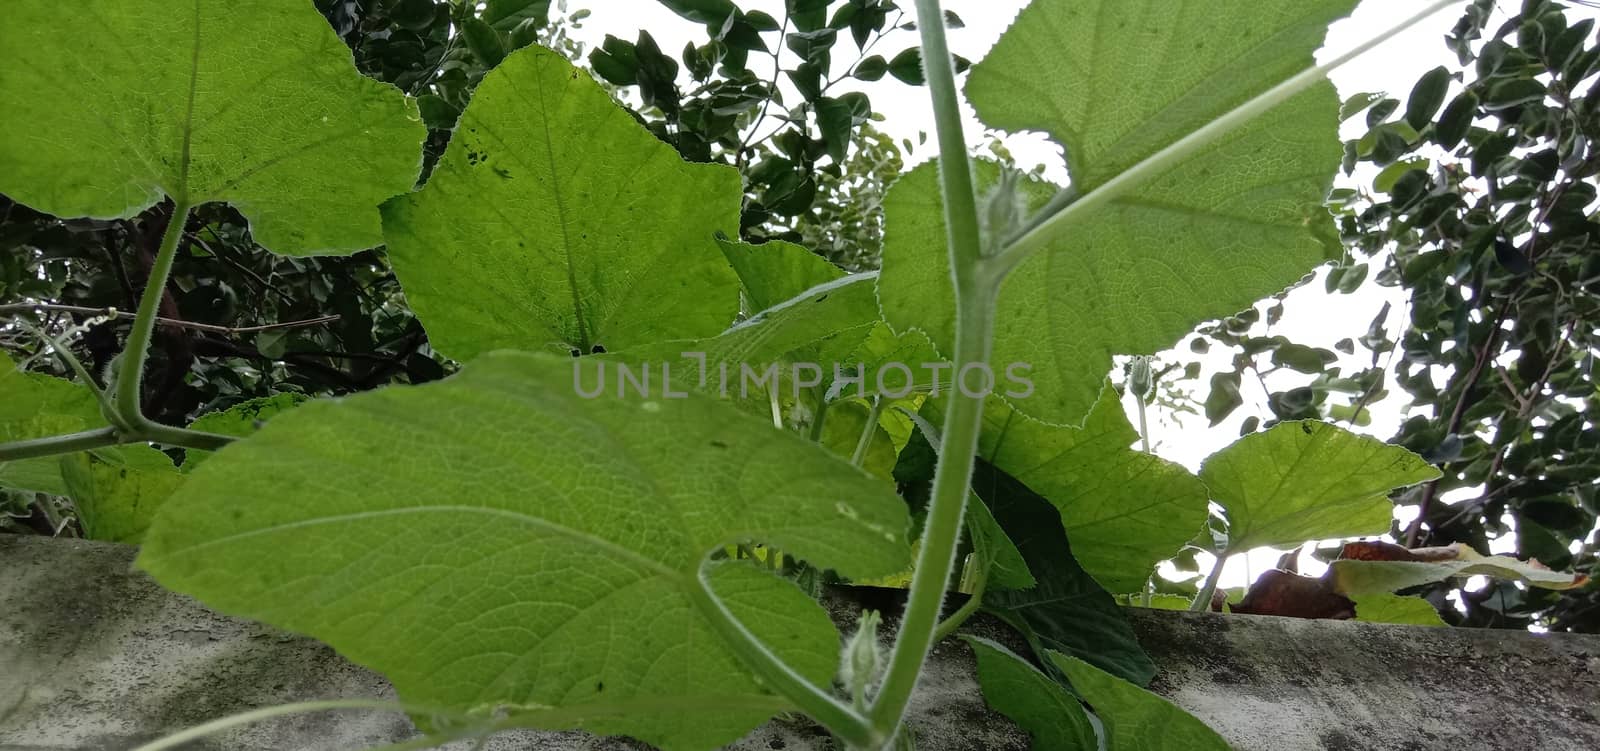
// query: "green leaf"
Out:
[1307,480]
[1388,608]
[1391,174]
[117,502]
[1067,611]
[776,271]
[1007,568]
[1135,719]
[1456,120]
[907,66]
[1302,358]
[34,405]
[871,68]
[154,98]
[1235,222]
[1037,704]
[554,220]
[846,421]
[714,12]
[1355,577]
[1358,103]
[1224,397]
[240,420]
[1427,96]
[484,42]
[1123,510]
[826,325]
[495,539]
[507,15]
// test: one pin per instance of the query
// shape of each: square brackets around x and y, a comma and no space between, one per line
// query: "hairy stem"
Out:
[822,706]
[859,456]
[59,444]
[963,420]
[1202,600]
[131,377]
[949,625]
[213,727]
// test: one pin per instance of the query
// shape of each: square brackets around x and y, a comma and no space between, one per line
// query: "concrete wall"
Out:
[95,656]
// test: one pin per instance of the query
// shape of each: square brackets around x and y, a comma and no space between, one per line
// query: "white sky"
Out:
[1311,316]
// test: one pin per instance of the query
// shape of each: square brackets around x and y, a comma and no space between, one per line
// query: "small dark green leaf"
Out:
[1381,111]
[907,66]
[1514,93]
[1427,96]
[1510,258]
[508,15]
[1357,104]
[1455,121]
[871,68]
[484,42]
[1353,277]
[710,12]
[616,60]
[437,113]
[1302,358]
[1224,397]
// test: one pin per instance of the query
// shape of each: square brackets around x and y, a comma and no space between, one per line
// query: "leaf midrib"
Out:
[565,531]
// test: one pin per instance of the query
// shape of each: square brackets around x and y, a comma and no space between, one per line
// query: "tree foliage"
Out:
[1474,196]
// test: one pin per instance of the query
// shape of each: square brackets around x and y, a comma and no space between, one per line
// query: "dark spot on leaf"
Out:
[1306,426]
[577,352]
[504,173]
[599,686]
[598,349]
[719,444]
[820,298]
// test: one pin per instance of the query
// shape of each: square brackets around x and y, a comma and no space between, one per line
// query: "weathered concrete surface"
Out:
[1286,683]
[95,656]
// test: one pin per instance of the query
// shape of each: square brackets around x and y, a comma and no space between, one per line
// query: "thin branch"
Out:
[1454,425]
[173,322]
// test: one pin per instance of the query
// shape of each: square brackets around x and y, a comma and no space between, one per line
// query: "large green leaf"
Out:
[1123,510]
[1135,719]
[1066,611]
[826,342]
[117,501]
[111,104]
[777,271]
[1115,81]
[1037,704]
[556,221]
[34,405]
[496,539]
[1307,480]
[240,420]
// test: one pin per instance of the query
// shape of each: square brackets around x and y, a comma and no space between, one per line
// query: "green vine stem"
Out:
[815,701]
[131,377]
[59,444]
[859,456]
[974,338]
[224,724]
[949,625]
[129,425]
[1202,600]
